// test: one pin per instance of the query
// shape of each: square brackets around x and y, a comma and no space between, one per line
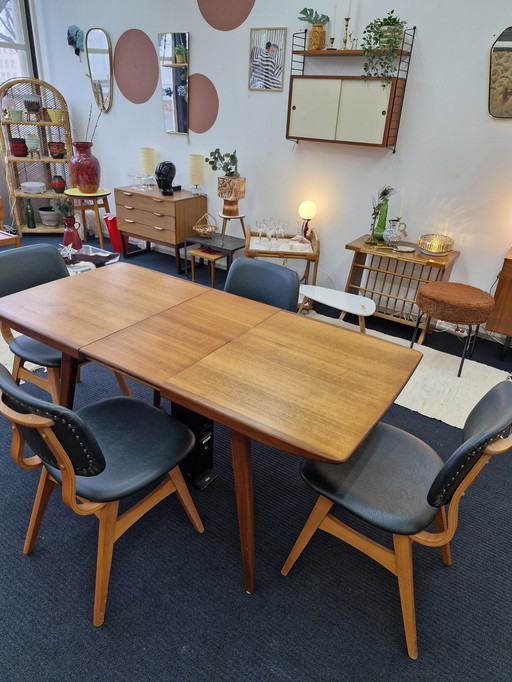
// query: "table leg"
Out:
[242,470]
[68,372]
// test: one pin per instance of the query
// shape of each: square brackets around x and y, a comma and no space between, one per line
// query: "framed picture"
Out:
[266,59]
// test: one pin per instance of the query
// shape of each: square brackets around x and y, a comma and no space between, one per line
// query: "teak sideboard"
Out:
[148,215]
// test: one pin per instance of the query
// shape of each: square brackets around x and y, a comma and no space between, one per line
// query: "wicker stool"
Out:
[455,303]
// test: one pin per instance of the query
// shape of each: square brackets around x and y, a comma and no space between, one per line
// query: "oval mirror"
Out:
[500,78]
[173,56]
[99,62]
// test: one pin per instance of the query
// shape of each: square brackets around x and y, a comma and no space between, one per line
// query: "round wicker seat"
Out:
[456,303]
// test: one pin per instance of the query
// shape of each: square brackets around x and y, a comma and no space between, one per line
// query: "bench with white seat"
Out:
[341,300]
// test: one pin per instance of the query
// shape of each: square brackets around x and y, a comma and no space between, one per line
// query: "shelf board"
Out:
[173,65]
[41,229]
[338,53]
[8,122]
[49,194]
[27,159]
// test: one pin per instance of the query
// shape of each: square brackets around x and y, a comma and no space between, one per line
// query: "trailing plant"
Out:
[63,206]
[225,162]
[381,40]
[312,16]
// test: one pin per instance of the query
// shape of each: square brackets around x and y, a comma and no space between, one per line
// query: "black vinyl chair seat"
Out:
[34,351]
[265,282]
[134,460]
[385,482]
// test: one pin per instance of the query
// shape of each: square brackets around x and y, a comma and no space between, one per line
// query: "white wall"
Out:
[452,158]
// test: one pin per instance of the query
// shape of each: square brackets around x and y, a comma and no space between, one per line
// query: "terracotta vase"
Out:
[58,184]
[71,235]
[231,190]
[85,168]
[316,40]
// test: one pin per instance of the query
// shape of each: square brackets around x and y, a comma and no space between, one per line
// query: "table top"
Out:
[230,244]
[301,385]
[75,192]
[415,256]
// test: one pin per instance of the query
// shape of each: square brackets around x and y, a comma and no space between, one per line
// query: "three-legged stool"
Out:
[226,218]
[82,202]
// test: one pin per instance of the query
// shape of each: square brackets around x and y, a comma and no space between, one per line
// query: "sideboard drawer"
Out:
[132,215]
[152,204]
[167,235]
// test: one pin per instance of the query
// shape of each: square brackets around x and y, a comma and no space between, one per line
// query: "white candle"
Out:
[402,197]
[347,15]
[333,25]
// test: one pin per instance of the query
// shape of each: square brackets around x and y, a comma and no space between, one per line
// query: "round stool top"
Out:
[455,302]
[231,217]
[75,192]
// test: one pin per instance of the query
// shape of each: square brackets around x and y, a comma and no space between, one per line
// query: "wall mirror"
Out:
[173,56]
[99,61]
[500,78]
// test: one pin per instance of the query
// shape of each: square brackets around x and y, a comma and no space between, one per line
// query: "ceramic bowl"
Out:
[33,187]
[32,142]
[48,216]
[57,149]
[55,115]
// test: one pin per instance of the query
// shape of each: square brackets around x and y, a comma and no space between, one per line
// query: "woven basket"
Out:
[206,226]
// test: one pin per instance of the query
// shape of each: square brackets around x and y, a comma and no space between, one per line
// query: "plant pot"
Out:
[49,217]
[231,190]
[18,146]
[316,39]
[57,150]
[85,168]
[180,59]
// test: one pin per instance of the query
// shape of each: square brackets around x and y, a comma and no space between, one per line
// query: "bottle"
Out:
[31,219]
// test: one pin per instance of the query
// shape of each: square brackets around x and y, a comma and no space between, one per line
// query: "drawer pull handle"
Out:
[159,201]
[128,194]
[128,221]
[158,228]
[129,208]
[158,215]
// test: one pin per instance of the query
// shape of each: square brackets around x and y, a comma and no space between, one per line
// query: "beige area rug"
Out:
[434,389]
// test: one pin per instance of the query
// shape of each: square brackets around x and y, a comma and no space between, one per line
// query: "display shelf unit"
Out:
[355,110]
[392,278]
[41,166]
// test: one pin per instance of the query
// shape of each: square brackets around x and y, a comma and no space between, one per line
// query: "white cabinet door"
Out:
[314,104]
[363,111]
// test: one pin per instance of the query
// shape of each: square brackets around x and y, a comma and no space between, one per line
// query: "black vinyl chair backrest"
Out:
[264,282]
[74,435]
[490,418]
[29,266]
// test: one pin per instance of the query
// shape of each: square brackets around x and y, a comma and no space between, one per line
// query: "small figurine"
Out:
[164,174]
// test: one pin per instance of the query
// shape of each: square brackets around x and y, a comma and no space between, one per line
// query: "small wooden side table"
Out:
[208,255]
[97,200]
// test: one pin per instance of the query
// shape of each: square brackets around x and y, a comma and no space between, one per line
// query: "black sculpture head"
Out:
[164,174]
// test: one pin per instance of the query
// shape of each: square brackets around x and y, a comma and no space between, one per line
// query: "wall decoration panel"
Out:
[225,15]
[136,66]
[203,103]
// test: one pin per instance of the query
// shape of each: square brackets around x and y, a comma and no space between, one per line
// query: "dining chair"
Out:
[397,483]
[265,282]
[22,269]
[98,455]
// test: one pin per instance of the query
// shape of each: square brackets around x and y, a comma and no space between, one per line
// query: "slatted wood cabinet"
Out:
[154,218]
[501,317]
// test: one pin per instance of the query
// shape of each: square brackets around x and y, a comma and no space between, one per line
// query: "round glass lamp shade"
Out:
[307,210]
[196,169]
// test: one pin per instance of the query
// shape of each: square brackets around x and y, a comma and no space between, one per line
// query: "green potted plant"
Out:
[381,40]
[180,54]
[316,39]
[231,187]
[64,206]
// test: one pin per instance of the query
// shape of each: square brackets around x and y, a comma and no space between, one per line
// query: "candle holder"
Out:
[331,40]
[345,34]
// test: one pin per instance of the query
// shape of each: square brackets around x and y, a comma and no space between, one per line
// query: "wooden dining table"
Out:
[296,384]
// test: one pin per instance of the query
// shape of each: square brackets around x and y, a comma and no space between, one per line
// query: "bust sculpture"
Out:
[164,174]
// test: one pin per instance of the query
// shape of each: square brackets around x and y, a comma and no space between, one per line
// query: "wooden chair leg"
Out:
[193,268]
[318,514]
[54,383]
[17,364]
[106,537]
[403,560]
[44,490]
[185,498]
[441,526]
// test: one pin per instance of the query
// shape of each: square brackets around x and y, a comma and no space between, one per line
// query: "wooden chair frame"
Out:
[399,559]
[111,526]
